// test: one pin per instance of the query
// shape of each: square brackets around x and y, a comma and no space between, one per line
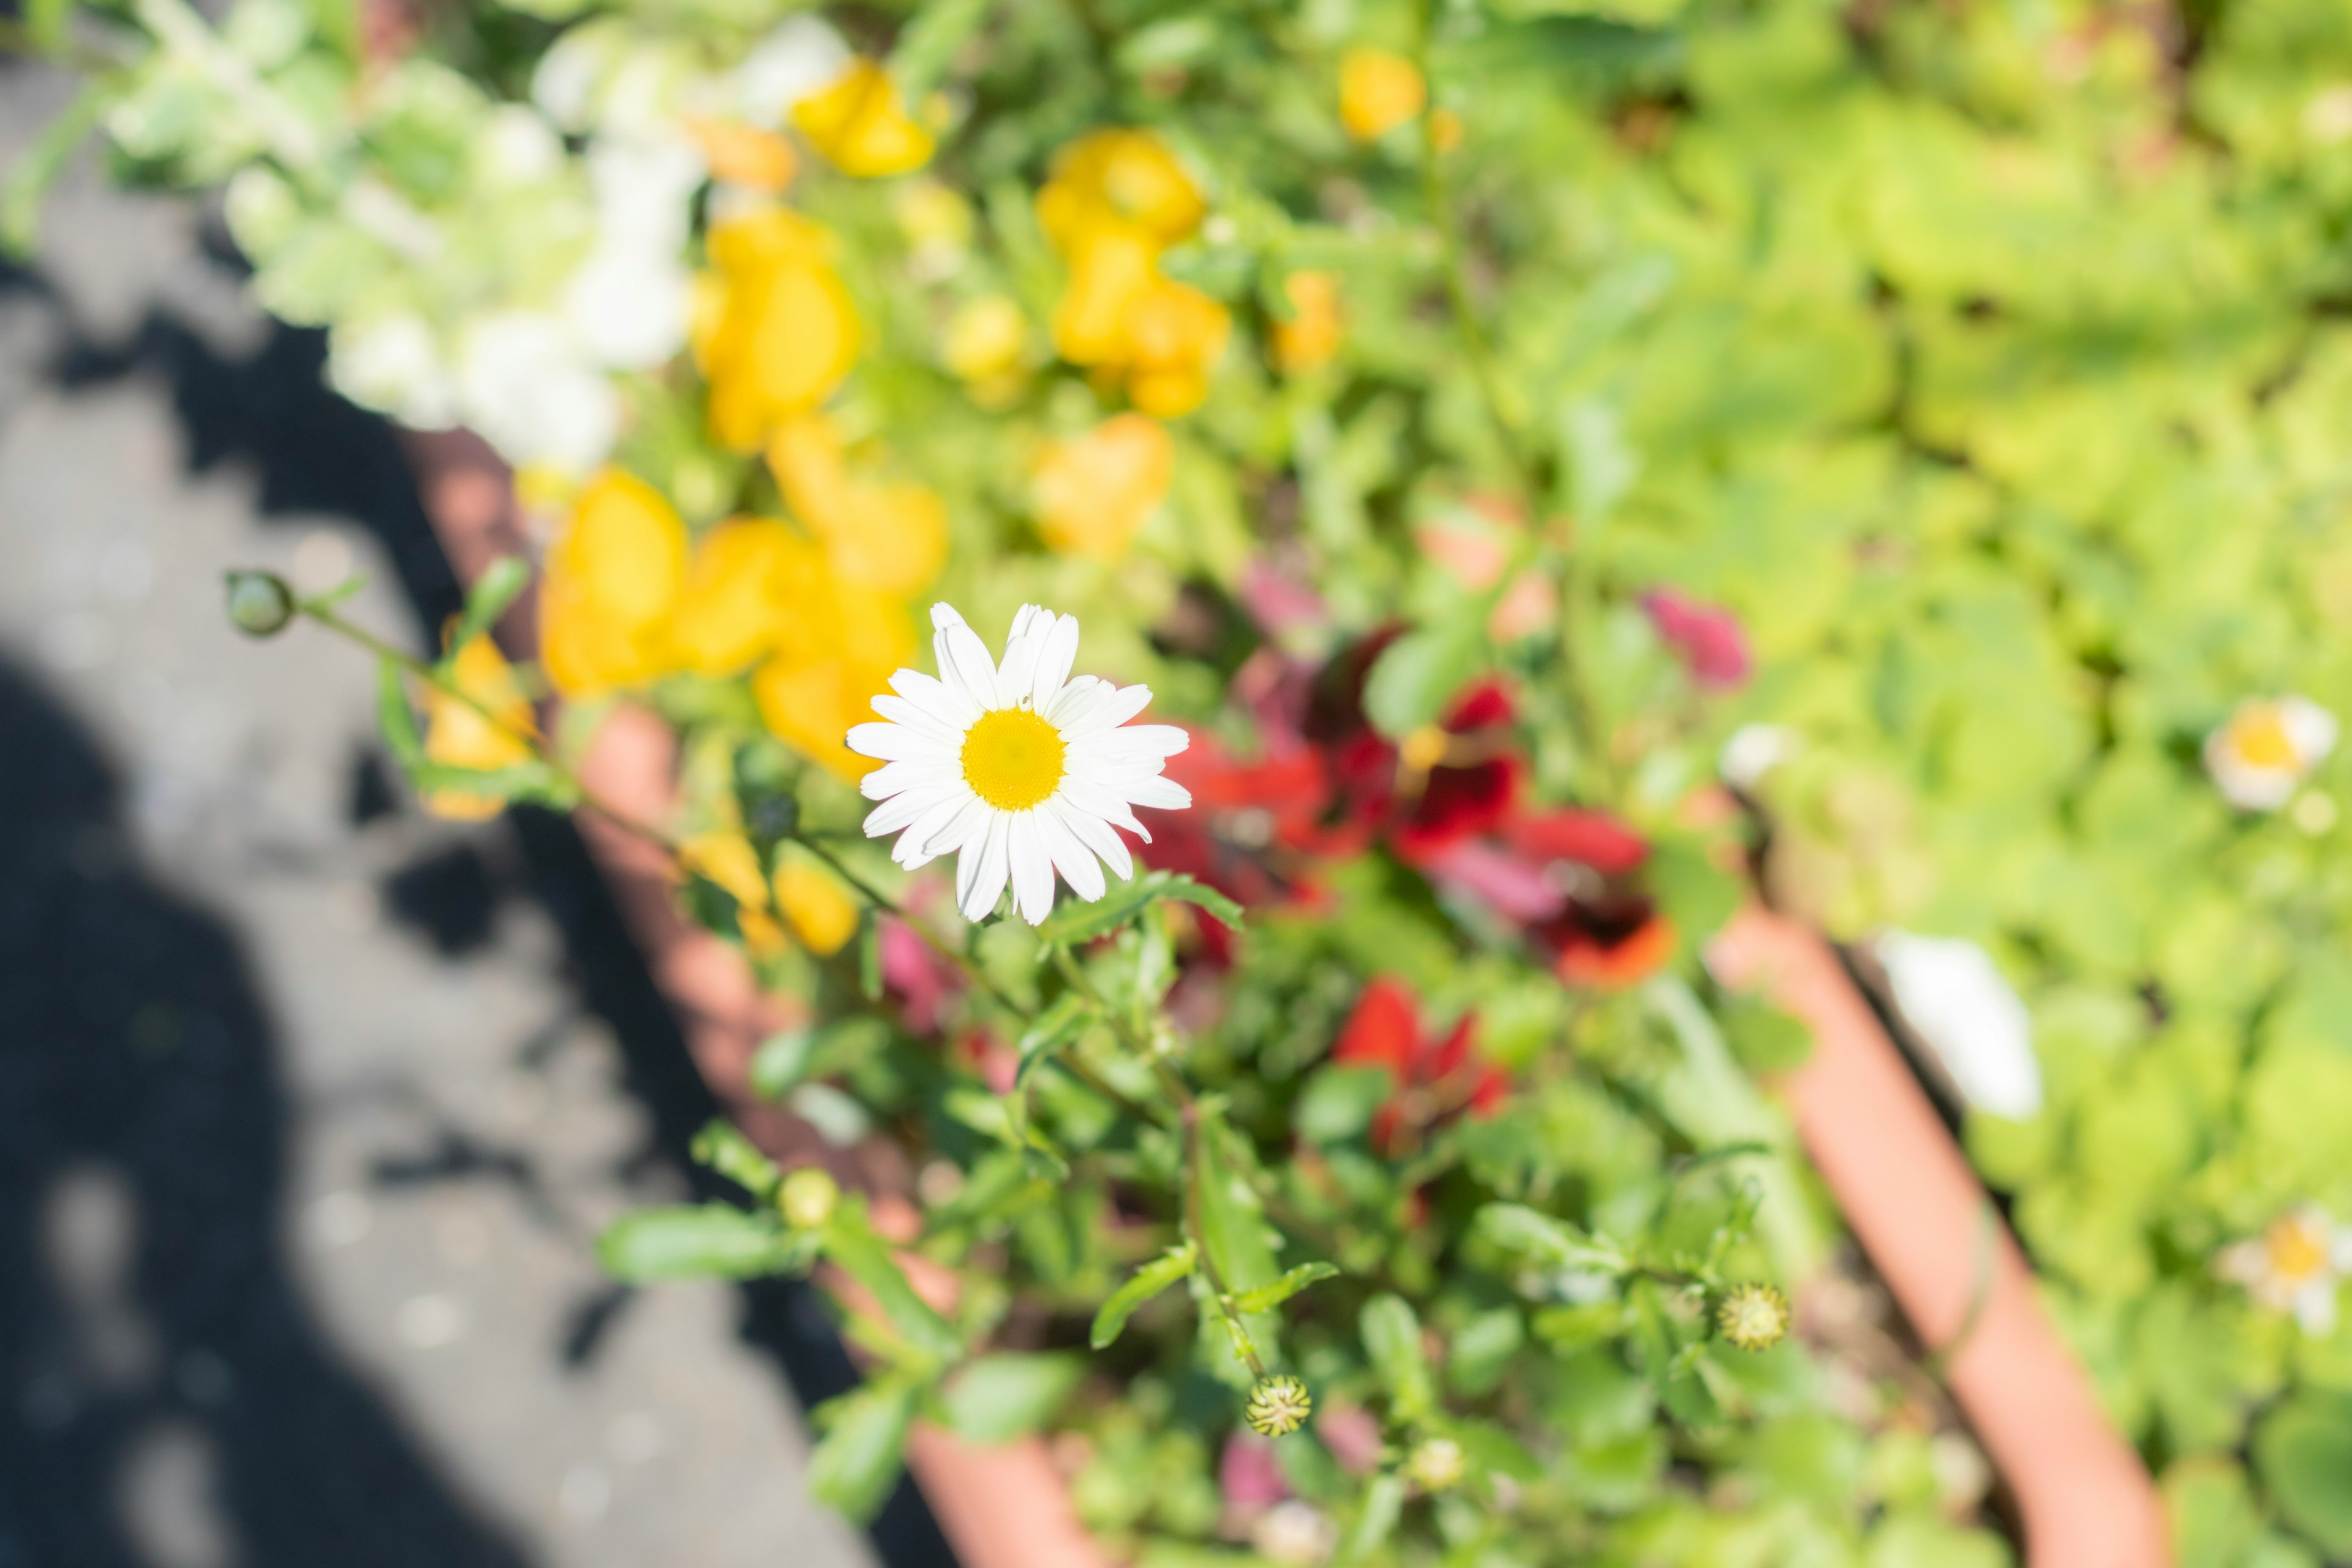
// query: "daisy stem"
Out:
[431,675]
[1195,1173]
[1170,1080]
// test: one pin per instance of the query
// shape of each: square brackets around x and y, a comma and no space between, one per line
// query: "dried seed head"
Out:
[1753,1316]
[1278,1406]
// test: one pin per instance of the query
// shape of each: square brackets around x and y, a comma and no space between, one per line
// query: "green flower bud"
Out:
[260,605]
[1753,1316]
[1278,1406]
[1436,1465]
[807,1197]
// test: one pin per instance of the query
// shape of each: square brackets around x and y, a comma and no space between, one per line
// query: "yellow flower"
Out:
[742,154]
[1175,335]
[610,582]
[1121,177]
[818,903]
[738,593]
[775,330]
[987,348]
[1315,331]
[1094,492]
[1112,266]
[879,534]
[1378,92]
[727,858]
[861,127]
[457,734]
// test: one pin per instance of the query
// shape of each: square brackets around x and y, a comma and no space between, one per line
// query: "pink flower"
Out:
[1248,1475]
[1709,637]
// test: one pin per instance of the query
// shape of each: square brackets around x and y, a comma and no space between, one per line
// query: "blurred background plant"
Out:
[1493,427]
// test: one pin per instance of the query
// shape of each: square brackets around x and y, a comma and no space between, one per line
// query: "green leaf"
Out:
[928,43]
[36,169]
[1483,1350]
[1517,1228]
[1392,1343]
[722,1147]
[857,1461]
[1266,1297]
[792,1057]
[1377,1521]
[1233,1223]
[493,592]
[996,1398]
[1417,674]
[534,784]
[869,956]
[1074,923]
[397,720]
[1175,1264]
[2302,1451]
[1051,1031]
[709,1241]
[850,1242]
[1338,1103]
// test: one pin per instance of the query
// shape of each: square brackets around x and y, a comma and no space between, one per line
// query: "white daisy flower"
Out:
[1957,999]
[2266,751]
[1018,770]
[2293,1267]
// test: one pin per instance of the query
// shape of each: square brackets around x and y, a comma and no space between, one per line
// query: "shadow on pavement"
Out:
[315,453]
[165,1385]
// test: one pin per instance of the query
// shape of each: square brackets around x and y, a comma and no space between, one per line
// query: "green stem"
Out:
[1219,1295]
[434,677]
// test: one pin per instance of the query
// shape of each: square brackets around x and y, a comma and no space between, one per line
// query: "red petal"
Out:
[1382,1031]
[1592,838]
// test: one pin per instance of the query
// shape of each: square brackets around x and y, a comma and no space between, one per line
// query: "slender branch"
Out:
[1220,1294]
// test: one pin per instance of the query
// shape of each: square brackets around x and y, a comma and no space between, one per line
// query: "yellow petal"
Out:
[819,905]
[1094,492]
[1175,334]
[728,859]
[1124,176]
[1314,332]
[986,339]
[1112,266]
[737,595]
[784,332]
[890,537]
[458,735]
[611,581]
[1379,91]
[743,155]
[860,126]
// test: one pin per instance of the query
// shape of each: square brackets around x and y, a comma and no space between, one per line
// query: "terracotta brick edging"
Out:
[1902,1184]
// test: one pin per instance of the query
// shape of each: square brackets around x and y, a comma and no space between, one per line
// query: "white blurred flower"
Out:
[520,148]
[802,57]
[610,76]
[1295,1533]
[628,302]
[392,366]
[525,383]
[1754,750]
[1965,1009]
[643,187]
[2268,748]
[2293,1267]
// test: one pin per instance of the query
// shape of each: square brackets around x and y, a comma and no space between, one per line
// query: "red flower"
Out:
[1432,1080]
[1453,780]
[1713,646]
[1608,943]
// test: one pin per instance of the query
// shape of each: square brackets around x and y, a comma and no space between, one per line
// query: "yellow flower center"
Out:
[1013,759]
[2262,740]
[2299,1250]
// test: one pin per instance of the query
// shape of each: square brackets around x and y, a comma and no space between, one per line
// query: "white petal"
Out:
[1086,796]
[1031,867]
[1059,649]
[911,716]
[1094,832]
[1021,651]
[1075,700]
[902,809]
[1165,794]
[907,774]
[979,869]
[935,698]
[964,662]
[1129,702]
[889,743]
[914,848]
[2314,1306]
[961,829]
[1078,868]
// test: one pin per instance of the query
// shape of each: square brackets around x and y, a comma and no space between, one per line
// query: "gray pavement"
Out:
[310,1105]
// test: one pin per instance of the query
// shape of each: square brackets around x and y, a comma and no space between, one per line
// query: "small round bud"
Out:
[1753,1316]
[1436,1465]
[1278,1406]
[807,1197]
[260,605]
